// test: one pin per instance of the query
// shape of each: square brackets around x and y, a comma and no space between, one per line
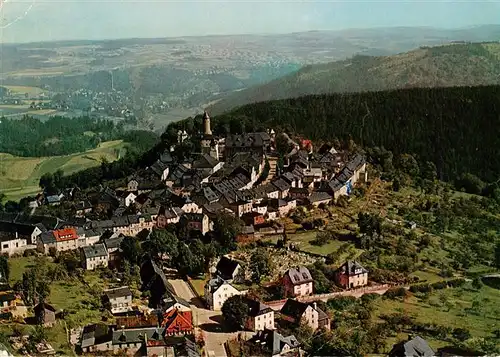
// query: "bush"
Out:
[341,302]
[455,283]
[421,288]
[461,334]
[393,293]
[439,285]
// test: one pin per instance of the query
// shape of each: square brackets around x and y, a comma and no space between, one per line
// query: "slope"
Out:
[448,65]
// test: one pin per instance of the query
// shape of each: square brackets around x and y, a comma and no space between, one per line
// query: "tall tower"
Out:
[206,124]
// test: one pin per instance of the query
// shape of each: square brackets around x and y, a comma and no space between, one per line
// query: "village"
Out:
[237,175]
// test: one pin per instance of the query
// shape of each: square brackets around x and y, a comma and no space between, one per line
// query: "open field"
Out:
[199,286]
[451,308]
[31,91]
[19,176]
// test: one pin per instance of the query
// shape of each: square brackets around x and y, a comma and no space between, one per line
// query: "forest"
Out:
[31,137]
[455,128]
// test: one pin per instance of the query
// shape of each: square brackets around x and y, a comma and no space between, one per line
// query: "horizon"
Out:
[27,21]
[437,28]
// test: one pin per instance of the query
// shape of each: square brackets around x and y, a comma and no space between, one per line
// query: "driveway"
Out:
[207,321]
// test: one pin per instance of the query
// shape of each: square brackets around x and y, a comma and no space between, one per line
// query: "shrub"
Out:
[461,334]
[439,285]
[393,293]
[341,302]
[455,283]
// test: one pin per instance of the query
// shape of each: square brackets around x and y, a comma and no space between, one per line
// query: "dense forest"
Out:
[63,136]
[456,128]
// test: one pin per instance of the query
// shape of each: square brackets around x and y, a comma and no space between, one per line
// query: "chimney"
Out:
[315,305]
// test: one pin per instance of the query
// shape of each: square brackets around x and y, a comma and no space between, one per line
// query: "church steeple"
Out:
[206,124]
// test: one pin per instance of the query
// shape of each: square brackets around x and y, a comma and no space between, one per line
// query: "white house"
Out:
[260,316]
[95,256]
[217,291]
[119,299]
[11,245]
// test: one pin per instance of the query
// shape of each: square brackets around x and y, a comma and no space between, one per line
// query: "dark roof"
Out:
[350,267]
[118,292]
[7,297]
[294,308]
[113,243]
[281,184]
[205,162]
[274,341]
[247,140]
[226,267]
[44,306]
[47,238]
[319,196]
[299,275]
[96,334]
[174,299]
[416,347]
[256,308]
[96,250]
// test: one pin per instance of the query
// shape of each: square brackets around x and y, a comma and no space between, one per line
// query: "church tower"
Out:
[206,124]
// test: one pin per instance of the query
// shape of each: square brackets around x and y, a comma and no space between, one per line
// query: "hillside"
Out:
[441,66]
[456,128]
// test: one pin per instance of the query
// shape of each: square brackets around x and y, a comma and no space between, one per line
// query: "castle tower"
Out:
[206,124]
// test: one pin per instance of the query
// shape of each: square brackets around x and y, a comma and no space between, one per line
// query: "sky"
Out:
[47,20]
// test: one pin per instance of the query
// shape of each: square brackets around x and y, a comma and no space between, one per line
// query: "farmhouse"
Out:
[94,256]
[260,316]
[351,275]
[296,311]
[217,291]
[298,282]
[118,300]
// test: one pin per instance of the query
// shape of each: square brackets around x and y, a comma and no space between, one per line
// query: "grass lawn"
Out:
[19,176]
[302,241]
[23,89]
[480,323]
[199,286]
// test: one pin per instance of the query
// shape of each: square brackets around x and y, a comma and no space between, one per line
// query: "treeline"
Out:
[456,128]
[56,136]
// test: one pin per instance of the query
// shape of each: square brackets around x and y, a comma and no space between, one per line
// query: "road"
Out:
[206,322]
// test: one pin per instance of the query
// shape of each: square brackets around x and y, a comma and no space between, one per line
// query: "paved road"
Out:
[207,321]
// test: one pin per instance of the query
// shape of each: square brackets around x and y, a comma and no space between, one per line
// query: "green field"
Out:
[451,308]
[31,91]
[19,176]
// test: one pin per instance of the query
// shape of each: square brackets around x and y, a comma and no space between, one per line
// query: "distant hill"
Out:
[459,64]
[456,128]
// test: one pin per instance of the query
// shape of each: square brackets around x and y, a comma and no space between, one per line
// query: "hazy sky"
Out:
[97,19]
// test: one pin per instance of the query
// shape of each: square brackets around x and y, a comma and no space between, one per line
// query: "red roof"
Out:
[62,235]
[177,321]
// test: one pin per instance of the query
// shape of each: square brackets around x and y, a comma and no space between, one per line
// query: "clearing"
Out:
[19,176]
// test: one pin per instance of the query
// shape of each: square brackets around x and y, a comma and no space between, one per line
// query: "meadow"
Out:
[19,176]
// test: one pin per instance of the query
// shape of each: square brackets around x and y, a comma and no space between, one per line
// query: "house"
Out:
[10,245]
[298,282]
[351,275]
[7,300]
[60,239]
[282,207]
[54,200]
[114,253]
[208,164]
[229,270]
[266,191]
[296,312]
[254,143]
[344,181]
[275,344]
[253,218]
[82,208]
[168,216]
[196,221]
[45,314]
[413,347]
[160,169]
[260,316]
[240,207]
[283,187]
[177,318]
[94,256]
[217,291]
[87,236]
[299,193]
[96,338]
[27,231]
[118,300]
[318,198]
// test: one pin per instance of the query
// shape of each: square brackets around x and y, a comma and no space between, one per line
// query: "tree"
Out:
[35,286]
[185,261]
[226,228]
[162,242]
[497,254]
[4,268]
[369,223]
[235,311]
[477,283]
[131,249]
[260,264]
